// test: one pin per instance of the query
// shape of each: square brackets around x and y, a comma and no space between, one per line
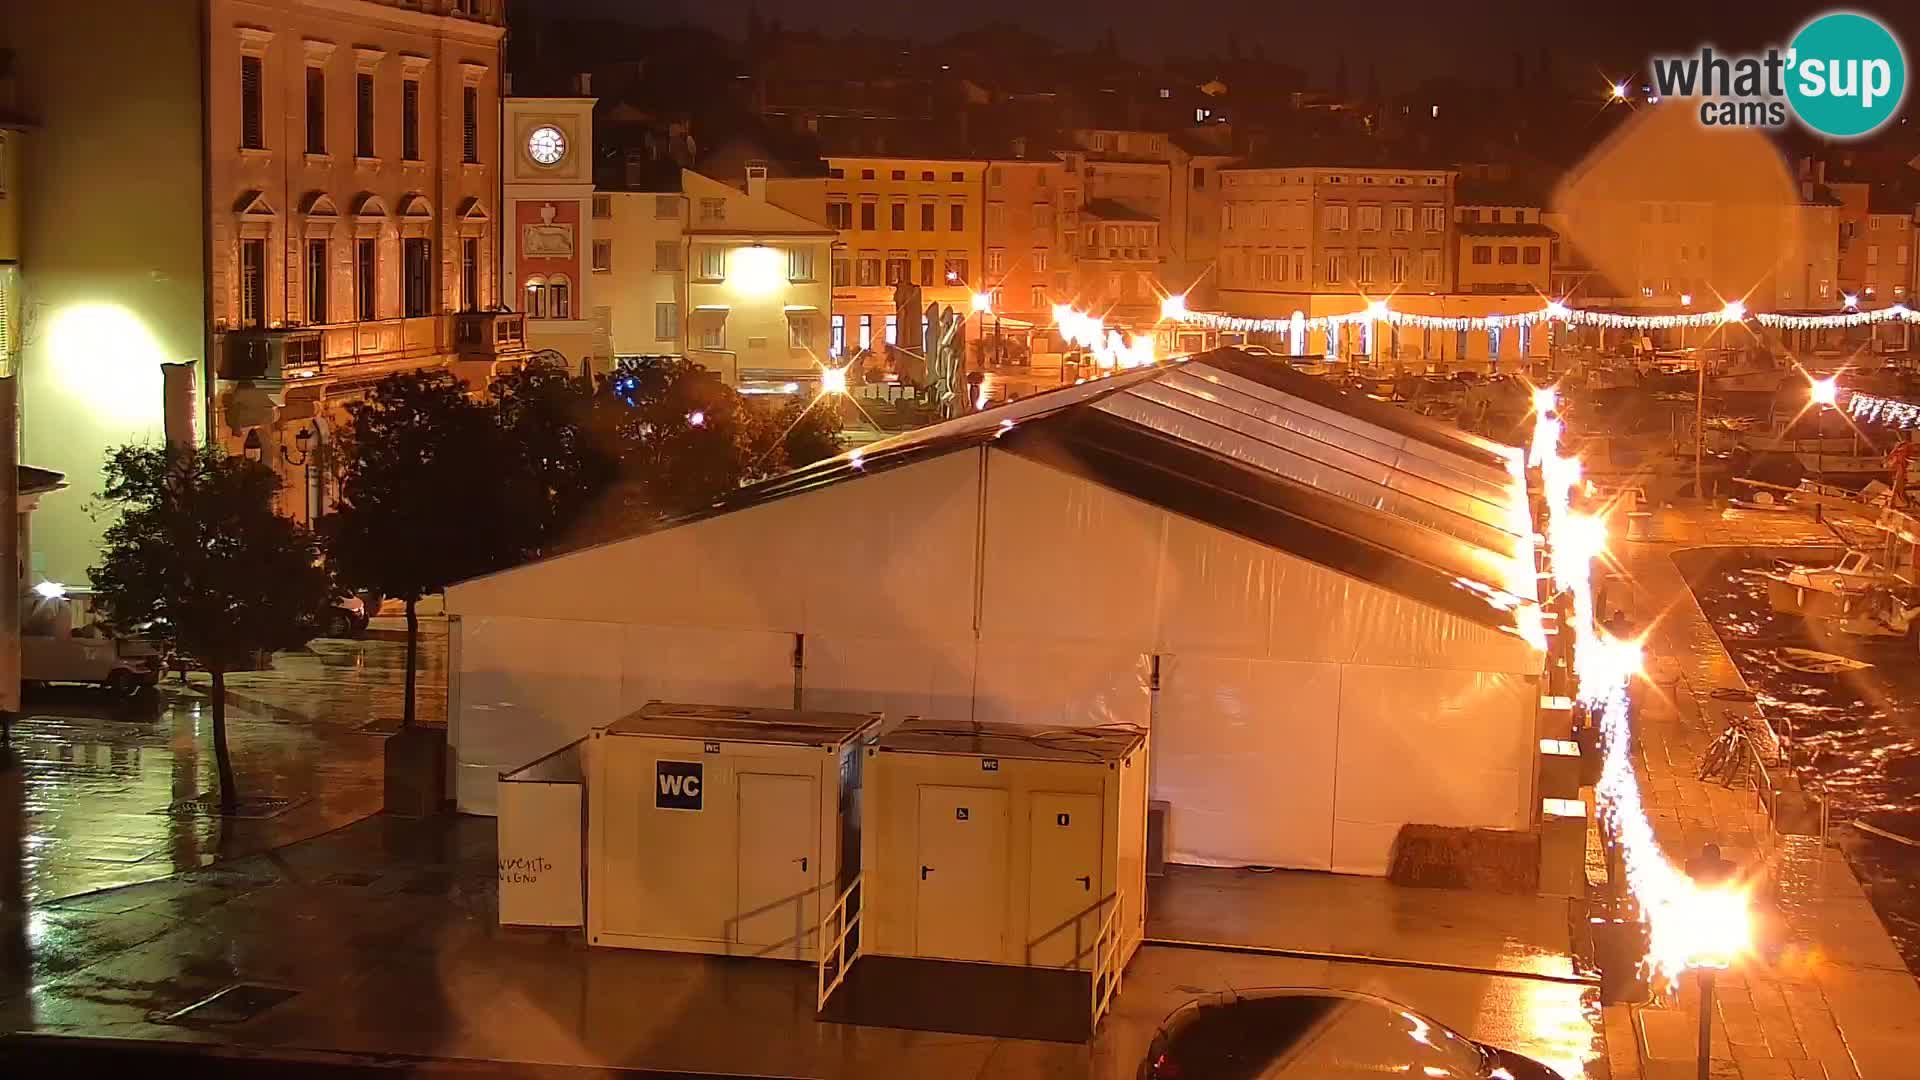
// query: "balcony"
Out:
[306,352]
[486,335]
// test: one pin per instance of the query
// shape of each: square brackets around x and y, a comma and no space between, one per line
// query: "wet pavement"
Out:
[118,791]
[385,932]
[1826,995]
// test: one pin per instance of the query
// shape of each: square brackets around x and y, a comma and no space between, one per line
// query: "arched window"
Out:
[536,305]
[559,297]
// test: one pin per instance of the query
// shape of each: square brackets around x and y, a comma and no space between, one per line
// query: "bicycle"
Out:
[1728,756]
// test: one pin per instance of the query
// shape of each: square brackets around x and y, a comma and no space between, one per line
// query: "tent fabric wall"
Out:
[1275,672]
[708,612]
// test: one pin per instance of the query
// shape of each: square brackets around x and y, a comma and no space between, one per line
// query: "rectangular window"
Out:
[316,110]
[666,321]
[417,254]
[1430,267]
[800,264]
[713,335]
[1509,255]
[1399,268]
[996,261]
[926,269]
[410,120]
[1336,267]
[1039,260]
[603,207]
[1482,255]
[1039,298]
[1370,218]
[866,332]
[897,216]
[253,282]
[869,268]
[899,174]
[1366,267]
[1433,218]
[957,217]
[1402,218]
[926,217]
[602,256]
[470,274]
[666,255]
[1334,217]
[1873,254]
[1900,255]
[842,273]
[252,128]
[1043,216]
[897,270]
[800,332]
[956,271]
[366,278]
[1199,178]
[996,215]
[867,216]
[837,337]
[316,281]
[840,215]
[666,206]
[363,119]
[1530,256]
[713,262]
[713,211]
[470,125]
[893,329]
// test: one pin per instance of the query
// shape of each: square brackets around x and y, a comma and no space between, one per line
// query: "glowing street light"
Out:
[1377,310]
[50,590]
[1686,299]
[1825,391]
[697,418]
[1734,311]
[1851,301]
[1619,91]
[982,303]
[833,380]
[1174,307]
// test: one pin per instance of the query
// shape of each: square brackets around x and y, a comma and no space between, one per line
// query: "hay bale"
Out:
[1450,857]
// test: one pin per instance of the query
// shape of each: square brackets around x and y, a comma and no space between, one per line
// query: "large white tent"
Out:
[1309,597]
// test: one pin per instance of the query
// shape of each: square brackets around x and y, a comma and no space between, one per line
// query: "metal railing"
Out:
[1106,965]
[837,927]
[1767,791]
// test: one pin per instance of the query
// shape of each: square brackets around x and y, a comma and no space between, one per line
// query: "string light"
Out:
[1734,311]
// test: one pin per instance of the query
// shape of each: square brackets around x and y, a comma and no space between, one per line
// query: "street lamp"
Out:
[983,306]
[1823,394]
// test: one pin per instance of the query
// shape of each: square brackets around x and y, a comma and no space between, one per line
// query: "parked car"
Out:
[61,642]
[1299,1033]
[346,617]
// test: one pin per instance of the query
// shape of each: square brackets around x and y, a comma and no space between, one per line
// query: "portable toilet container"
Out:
[719,830]
[996,845]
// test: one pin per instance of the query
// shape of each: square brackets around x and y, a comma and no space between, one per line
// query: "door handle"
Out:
[924,871]
[1086,882]
[802,860]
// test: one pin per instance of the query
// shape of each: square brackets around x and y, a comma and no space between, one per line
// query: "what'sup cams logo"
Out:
[1844,76]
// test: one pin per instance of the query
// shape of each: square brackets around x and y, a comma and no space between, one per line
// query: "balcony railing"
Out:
[303,352]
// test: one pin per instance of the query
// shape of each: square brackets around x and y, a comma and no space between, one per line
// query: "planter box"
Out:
[416,776]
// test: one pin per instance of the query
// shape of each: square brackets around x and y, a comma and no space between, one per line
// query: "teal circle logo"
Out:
[1846,74]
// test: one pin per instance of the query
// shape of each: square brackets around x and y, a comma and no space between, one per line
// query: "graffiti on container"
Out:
[523,870]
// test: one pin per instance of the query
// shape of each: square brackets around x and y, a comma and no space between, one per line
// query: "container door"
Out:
[962,871]
[1064,902]
[779,864]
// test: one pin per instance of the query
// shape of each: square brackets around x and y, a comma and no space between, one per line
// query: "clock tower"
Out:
[549,259]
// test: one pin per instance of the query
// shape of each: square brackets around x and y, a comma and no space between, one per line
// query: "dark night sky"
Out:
[1408,39]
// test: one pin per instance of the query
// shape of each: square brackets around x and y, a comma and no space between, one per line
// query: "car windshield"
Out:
[1298,1036]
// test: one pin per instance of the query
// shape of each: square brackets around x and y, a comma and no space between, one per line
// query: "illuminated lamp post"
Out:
[1824,394]
[982,303]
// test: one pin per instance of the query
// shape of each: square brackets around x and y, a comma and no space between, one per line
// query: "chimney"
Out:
[757,181]
[583,84]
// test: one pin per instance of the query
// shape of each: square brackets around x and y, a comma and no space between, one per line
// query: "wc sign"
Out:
[677,785]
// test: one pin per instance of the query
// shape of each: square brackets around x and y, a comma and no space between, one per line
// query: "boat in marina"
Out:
[1818,664]
[1822,590]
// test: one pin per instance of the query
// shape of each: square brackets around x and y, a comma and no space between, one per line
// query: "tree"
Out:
[199,552]
[431,492]
[546,414]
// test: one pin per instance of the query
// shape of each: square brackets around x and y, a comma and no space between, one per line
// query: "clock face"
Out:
[546,145]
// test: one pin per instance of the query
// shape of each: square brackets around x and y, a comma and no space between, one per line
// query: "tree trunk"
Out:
[413,659]
[229,795]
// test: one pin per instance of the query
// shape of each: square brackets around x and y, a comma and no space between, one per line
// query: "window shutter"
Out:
[470,150]
[251,133]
